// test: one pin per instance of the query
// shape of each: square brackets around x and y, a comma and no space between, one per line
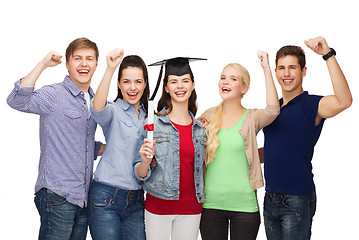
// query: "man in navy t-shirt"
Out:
[290,199]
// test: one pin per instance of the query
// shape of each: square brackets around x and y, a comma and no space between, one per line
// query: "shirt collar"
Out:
[125,105]
[294,100]
[75,90]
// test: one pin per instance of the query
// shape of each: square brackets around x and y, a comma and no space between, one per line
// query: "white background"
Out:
[223,32]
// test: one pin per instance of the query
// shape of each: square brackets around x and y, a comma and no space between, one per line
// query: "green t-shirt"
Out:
[227,185]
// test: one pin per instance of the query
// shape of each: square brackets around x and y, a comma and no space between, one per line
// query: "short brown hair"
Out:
[80,43]
[291,50]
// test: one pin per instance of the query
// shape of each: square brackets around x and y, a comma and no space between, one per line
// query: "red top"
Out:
[187,203]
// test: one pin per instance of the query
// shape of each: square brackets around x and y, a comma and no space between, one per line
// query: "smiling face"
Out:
[132,85]
[81,65]
[179,87]
[290,75]
[231,85]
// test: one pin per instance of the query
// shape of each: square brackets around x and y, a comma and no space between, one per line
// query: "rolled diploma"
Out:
[150,122]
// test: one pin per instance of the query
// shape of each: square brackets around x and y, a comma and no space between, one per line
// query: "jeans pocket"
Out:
[53,199]
[99,201]
[294,203]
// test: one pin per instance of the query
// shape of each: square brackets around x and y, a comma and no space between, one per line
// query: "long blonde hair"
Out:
[214,116]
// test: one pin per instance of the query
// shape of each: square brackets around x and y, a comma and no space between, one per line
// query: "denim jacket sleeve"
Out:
[138,159]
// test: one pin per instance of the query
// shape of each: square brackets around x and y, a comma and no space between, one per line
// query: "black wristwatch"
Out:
[329,54]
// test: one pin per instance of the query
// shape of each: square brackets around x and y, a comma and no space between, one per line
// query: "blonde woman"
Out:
[233,167]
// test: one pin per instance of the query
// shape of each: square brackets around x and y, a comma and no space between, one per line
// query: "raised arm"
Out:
[264,117]
[50,60]
[331,105]
[42,101]
[113,59]
[271,91]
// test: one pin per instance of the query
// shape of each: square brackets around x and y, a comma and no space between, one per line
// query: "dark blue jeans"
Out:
[116,213]
[60,219]
[288,217]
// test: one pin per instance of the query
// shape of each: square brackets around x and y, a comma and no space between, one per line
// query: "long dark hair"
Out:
[165,100]
[135,61]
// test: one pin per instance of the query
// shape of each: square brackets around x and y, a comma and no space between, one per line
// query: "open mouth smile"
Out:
[226,90]
[132,95]
[287,81]
[180,93]
[83,72]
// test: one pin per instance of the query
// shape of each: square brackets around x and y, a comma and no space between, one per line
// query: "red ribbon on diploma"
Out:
[149,127]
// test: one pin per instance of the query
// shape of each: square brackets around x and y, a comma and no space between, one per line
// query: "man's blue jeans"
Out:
[116,213]
[288,217]
[60,219]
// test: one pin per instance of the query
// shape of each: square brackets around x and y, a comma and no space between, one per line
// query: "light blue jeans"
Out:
[288,217]
[60,220]
[116,213]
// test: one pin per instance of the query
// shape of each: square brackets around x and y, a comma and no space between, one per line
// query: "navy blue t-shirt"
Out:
[289,146]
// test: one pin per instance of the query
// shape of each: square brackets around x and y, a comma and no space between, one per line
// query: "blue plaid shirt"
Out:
[67,137]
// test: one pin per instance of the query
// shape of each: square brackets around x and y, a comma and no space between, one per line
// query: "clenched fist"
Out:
[263,56]
[318,45]
[52,59]
[114,58]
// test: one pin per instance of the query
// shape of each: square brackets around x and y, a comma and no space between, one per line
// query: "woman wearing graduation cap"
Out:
[233,167]
[175,185]
[116,199]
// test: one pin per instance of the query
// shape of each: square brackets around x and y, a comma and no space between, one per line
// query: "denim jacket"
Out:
[163,180]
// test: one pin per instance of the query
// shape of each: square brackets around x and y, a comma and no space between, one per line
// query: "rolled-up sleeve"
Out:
[104,116]
[142,178]
[26,99]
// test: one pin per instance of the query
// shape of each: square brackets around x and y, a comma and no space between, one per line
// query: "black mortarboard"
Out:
[174,66]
